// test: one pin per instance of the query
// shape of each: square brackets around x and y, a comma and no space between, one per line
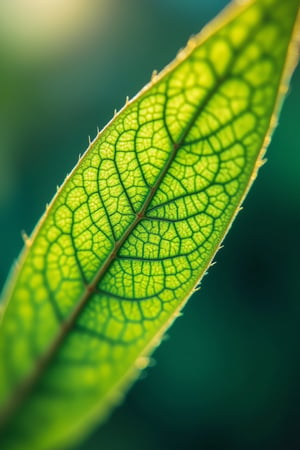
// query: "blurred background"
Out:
[227,376]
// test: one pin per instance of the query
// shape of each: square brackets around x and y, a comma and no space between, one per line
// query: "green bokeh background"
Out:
[227,376]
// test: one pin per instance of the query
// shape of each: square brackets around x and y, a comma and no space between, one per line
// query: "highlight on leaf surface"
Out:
[137,223]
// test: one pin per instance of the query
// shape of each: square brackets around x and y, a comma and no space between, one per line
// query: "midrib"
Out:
[24,389]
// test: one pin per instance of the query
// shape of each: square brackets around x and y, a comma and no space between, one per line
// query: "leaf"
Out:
[137,223]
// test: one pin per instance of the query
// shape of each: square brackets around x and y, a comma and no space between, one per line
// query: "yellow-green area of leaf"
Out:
[136,224]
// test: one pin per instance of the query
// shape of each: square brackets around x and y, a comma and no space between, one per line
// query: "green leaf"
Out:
[137,223]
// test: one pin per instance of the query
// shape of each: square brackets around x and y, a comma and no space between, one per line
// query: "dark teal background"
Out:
[227,377]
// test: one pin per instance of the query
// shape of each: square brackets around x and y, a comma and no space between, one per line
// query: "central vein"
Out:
[25,388]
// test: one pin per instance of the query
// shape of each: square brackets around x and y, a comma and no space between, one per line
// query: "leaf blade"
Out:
[156,143]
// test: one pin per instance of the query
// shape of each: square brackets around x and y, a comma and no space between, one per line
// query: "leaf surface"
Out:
[136,224]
